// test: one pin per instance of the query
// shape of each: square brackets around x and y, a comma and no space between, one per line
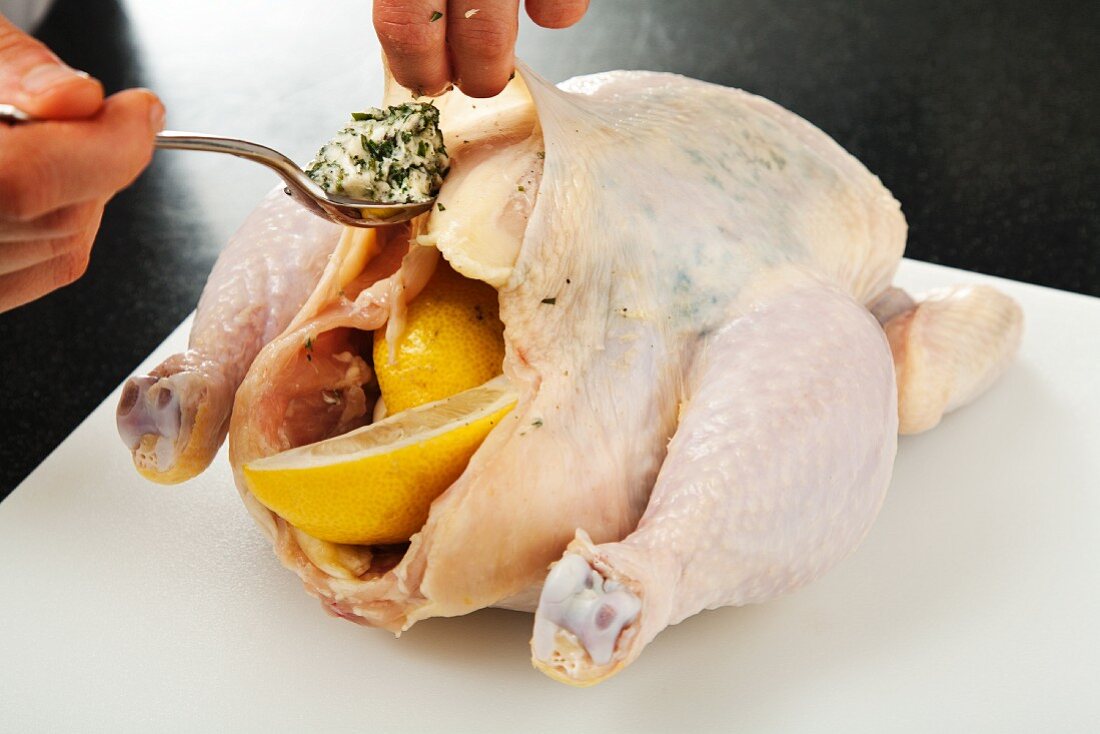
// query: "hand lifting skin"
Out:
[712,364]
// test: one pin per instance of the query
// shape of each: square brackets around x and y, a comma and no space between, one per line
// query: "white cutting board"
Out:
[974,605]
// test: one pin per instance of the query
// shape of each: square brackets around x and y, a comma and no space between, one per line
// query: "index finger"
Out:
[482,38]
[413,34]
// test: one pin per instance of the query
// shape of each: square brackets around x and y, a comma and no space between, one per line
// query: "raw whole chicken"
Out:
[712,364]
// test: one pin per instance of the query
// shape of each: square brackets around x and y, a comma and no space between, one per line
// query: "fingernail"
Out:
[46,76]
[156,116]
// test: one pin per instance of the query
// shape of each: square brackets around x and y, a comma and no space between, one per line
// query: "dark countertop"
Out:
[982,118]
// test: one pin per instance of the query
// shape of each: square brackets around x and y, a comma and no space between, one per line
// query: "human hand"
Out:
[431,43]
[56,175]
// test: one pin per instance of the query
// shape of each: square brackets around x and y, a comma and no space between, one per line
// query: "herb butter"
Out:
[392,155]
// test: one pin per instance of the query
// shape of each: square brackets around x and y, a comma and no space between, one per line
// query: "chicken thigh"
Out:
[711,364]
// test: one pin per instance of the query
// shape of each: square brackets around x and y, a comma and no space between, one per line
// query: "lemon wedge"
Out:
[374,485]
[452,340]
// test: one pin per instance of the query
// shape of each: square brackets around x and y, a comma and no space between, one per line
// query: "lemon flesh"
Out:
[376,484]
[452,340]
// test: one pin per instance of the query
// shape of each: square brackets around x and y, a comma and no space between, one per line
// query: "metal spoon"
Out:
[339,209]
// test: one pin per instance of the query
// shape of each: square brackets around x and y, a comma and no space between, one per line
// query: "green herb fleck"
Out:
[441,207]
[360,116]
[550,301]
[537,423]
[541,154]
[309,343]
[520,189]
[435,16]
[422,148]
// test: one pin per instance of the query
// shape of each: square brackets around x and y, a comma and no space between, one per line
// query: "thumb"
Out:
[32,78]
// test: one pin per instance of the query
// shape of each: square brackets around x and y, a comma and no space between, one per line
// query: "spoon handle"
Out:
[179,140]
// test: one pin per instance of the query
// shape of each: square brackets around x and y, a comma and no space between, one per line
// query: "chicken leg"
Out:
[174,419]
[804,375]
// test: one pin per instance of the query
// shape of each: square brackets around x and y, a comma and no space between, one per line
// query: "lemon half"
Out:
[452,340]
[375,484]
